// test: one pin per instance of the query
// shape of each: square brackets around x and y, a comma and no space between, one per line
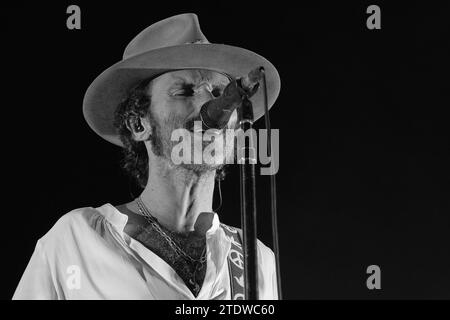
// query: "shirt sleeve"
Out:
[36,282]
[268,274]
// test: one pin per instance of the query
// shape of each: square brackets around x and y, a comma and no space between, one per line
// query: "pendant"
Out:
[196,289]
[195,286]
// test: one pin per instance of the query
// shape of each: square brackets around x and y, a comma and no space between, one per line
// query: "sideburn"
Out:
[155,138]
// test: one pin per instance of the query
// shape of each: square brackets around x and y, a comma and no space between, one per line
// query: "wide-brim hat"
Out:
[174,43]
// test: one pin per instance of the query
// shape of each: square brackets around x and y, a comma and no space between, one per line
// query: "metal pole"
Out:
[248,201]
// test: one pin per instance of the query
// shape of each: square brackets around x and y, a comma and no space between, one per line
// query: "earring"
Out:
[138,126]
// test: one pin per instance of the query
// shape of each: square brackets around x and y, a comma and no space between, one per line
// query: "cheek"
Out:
[165,112]
[175,108]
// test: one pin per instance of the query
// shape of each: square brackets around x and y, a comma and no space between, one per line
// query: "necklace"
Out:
[154,223]
[198,263]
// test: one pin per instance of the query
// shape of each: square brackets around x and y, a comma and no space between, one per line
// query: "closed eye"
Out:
[187,91]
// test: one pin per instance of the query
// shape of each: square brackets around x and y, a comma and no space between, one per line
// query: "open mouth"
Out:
[202,130]
[196,126]
[198,130]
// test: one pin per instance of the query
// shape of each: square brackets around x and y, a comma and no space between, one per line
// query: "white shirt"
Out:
[87,255]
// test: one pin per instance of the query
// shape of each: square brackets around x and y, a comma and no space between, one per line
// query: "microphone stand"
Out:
[247,164]
[213,114]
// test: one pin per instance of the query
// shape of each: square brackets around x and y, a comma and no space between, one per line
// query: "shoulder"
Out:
[73,224]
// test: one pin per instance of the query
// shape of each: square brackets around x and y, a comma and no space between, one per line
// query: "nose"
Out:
[203,94]
[205,87]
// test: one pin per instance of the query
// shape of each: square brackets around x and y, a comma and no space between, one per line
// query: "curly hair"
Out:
[135,105]
[135,158]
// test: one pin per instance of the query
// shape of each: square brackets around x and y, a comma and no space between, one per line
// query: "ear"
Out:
[140,128]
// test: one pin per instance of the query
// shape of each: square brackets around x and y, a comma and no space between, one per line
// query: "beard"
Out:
[162,144]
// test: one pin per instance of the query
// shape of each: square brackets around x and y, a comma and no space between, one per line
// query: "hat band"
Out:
[199,41]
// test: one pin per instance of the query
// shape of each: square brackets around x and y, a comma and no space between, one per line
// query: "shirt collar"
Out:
[119,220]
[218,246]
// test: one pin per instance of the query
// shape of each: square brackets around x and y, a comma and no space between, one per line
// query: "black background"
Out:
[364,139]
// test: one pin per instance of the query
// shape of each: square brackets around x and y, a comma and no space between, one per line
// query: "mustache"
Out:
[189,125]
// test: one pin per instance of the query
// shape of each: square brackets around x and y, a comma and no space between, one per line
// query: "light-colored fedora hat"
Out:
[172,44]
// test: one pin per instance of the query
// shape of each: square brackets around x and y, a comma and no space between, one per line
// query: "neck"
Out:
[177,196]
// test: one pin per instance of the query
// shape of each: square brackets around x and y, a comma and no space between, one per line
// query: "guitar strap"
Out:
[235,263]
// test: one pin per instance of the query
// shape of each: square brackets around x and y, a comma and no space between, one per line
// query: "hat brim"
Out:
[111,87]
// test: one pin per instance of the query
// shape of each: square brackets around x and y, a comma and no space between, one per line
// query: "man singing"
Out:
[167,243]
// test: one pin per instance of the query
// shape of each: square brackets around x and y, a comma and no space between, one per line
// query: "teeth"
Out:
[210,131]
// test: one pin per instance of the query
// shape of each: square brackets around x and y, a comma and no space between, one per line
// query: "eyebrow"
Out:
[181,79]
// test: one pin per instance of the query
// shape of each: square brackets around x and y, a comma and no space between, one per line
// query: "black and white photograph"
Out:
[226,151]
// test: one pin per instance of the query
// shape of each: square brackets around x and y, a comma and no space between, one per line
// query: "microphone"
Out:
[216,112]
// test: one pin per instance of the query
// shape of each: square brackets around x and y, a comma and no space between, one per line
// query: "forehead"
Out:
[192,75]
